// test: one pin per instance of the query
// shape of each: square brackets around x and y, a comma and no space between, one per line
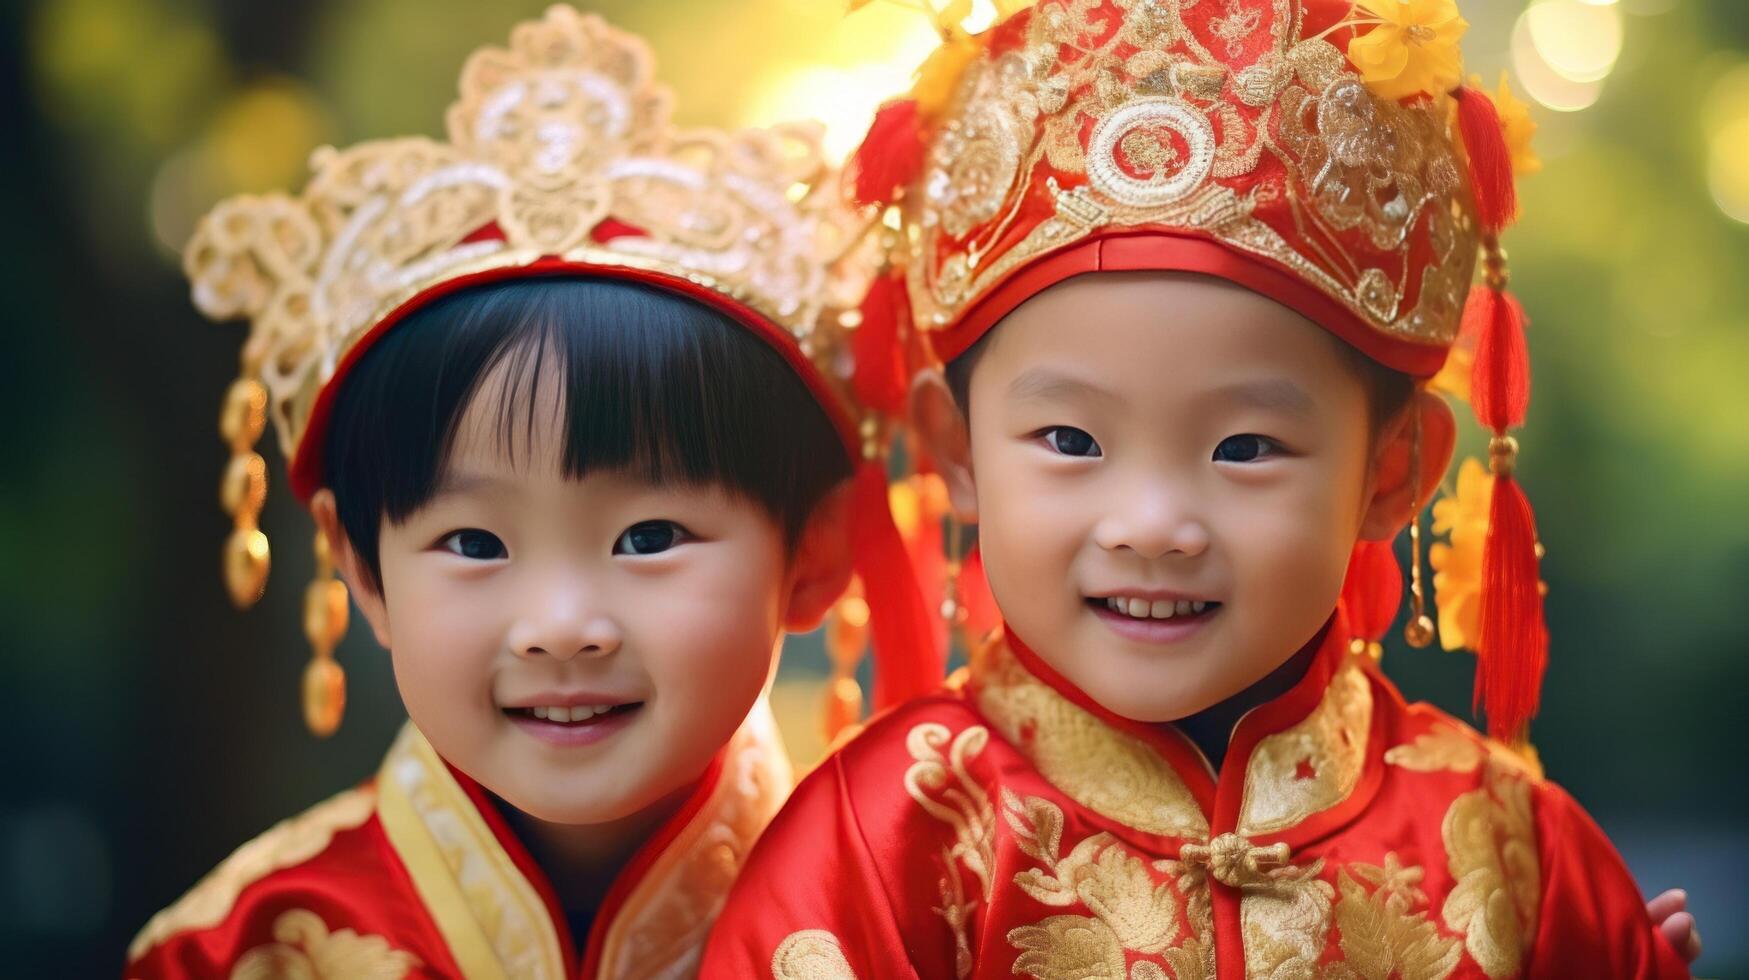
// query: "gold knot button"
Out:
[1235,861]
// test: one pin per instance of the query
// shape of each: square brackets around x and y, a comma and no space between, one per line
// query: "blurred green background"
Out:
[150,728]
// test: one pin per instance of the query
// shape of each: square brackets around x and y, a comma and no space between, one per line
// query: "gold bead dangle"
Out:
[325,617]
[243,491]
[1419,631]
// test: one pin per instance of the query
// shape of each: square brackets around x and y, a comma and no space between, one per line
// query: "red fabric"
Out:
[858,858]
[1181,251]
[356,882]
[982,616]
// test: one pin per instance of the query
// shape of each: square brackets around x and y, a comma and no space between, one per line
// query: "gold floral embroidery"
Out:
[306,950]
[1131,911]
[288,843]
[1490,844]
[812,954]
[966,809]
[1285,919]
[1113,774]
[1332,741]
[1385,933]
[1440,749]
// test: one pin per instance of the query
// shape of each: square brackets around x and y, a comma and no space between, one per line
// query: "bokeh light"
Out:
[1727,122]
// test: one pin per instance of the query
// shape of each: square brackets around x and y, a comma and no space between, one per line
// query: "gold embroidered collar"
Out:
[1303,754]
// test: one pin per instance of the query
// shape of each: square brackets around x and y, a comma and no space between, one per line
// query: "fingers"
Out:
[1666,905]
[1680,930]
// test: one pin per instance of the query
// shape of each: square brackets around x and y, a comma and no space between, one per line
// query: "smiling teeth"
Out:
[1156,609]
[582,712]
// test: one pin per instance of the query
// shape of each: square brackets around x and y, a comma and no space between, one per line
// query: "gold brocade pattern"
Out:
[1447,748]
[1385,930]
[563,131]
[1132,912]
[1491,848]
[812,954]
[966,808]
[1145,127]
[1331,742]
[1116,775]
[305,950]
[661,928]
[288,843]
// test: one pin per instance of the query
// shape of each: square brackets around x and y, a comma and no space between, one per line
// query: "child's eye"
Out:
[1247,448]
[475,544]
[1070,441]
[650,538]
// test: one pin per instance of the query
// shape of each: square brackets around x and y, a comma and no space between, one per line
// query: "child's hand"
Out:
[1670,914]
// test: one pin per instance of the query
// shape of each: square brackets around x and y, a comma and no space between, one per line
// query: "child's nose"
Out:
[1153,526]
[563,636]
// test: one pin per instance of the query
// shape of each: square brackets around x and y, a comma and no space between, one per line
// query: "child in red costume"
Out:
[1191,265]
[550,391]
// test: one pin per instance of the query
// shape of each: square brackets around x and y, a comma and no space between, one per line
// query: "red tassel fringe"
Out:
[1490,160]
[1514,645]
[880,376]
[1372,591]
[1500,380]
[891,156]
[908,663]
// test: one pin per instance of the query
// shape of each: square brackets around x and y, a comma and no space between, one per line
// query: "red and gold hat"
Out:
[1324,153]
[561,160]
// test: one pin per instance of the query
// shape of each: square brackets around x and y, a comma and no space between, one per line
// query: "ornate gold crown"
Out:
[560,146]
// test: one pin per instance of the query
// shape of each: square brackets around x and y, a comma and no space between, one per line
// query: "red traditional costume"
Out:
[1326,155]
[561,161]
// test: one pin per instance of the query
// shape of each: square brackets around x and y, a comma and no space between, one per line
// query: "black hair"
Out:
[1388,391]
[655,385]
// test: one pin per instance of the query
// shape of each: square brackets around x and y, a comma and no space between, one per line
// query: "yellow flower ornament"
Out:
[1412,48]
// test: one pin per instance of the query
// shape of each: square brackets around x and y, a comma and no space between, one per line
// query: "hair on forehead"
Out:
[648,383]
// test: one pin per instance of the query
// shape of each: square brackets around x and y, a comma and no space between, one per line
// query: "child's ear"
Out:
[364,596]
[1396,489]
[947,438]
[820,569]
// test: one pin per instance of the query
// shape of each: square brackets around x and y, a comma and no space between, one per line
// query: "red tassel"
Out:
[879,378]
[982,616]
[1372,591]
[1500,380]
[1513,650]
[1490,160]
[908,662]
[891,156]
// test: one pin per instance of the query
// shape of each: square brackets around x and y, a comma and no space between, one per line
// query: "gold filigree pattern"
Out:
[966,808]
[1145,127]
[1490,844]
[304,949]
[1331,742]
[290,842]
[812,954]
[1285,919]
[1114,774]
[551,139]
[1440,749]
[1385,930]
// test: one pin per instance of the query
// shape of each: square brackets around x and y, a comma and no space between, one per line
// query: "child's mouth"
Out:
[1152,620]
[567,726]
